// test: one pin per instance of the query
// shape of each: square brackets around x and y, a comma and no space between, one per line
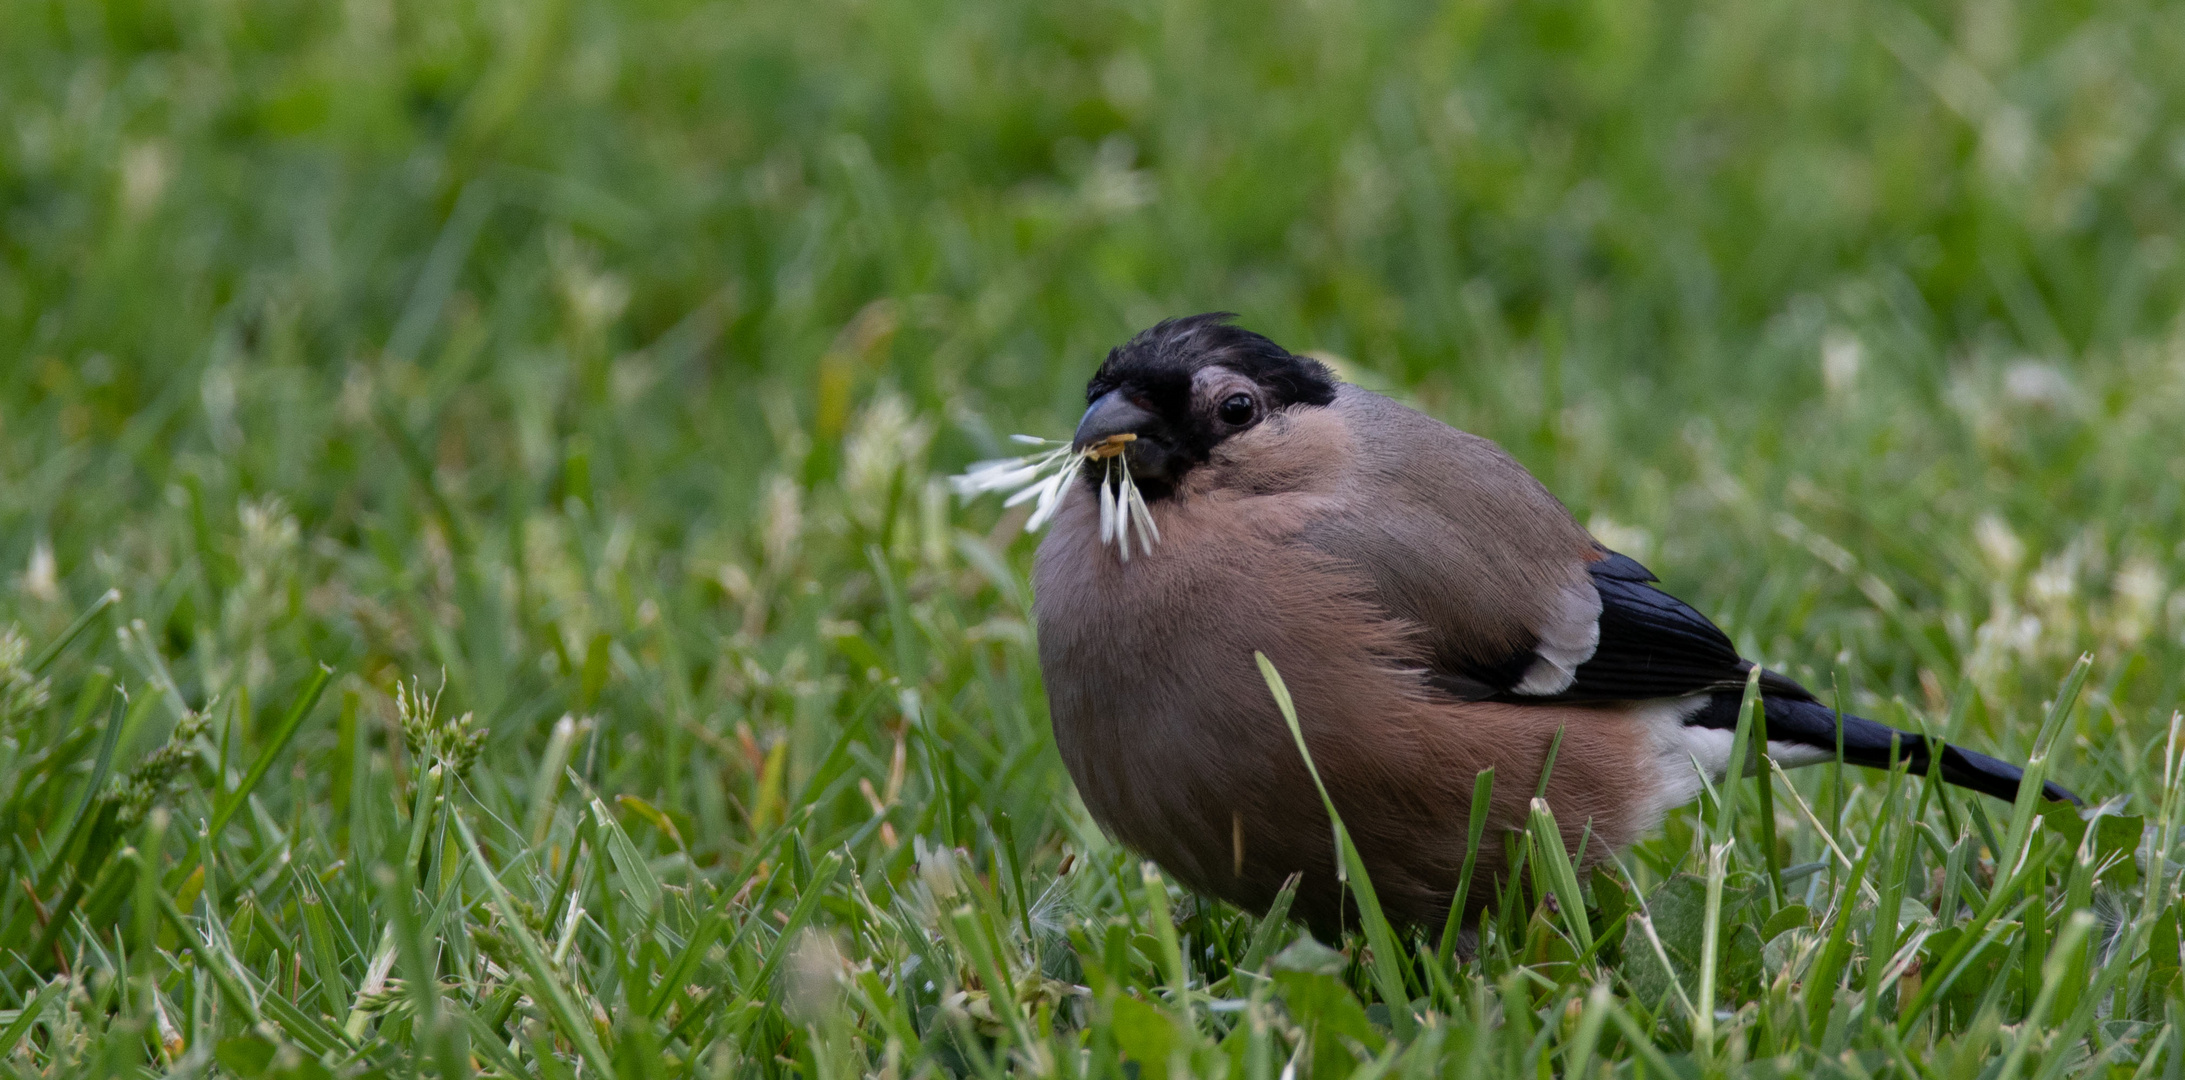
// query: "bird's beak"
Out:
[1112,415]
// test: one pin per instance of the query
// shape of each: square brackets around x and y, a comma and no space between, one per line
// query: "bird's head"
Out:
[1167,397]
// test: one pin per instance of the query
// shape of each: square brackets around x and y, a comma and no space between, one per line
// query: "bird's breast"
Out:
[1172,735]
[1160,710]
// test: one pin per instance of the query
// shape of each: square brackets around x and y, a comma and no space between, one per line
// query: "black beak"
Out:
[1112,415]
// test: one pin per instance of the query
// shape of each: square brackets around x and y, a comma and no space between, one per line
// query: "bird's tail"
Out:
[1809,723]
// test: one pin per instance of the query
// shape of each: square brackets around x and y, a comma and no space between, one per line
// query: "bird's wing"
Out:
[1650,644]
[1513,599]
[1645,644]
[1459,541]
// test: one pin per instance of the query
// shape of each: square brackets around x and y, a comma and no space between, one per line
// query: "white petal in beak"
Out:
[1045,479]
[1108,508]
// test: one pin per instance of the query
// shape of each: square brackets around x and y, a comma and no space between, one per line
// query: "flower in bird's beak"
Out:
[1043,479]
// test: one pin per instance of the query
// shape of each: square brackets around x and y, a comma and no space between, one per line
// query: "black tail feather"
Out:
[1867,743]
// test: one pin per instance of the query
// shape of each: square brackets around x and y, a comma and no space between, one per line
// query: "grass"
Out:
[483,596]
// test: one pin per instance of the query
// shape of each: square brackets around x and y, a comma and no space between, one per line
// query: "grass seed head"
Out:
[453,743]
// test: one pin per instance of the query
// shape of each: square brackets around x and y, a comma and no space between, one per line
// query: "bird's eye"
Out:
[1236,409]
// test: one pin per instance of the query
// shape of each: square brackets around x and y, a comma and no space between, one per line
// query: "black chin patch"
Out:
[1156,369]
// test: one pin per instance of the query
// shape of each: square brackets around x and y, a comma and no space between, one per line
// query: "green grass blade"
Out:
[68,637]
[2068,942]
[1388,961]
[94,785]
[1892,838]
[1483,788]
[218,966]
[815,891]
[2023,886]
[1547,841]
[1578,1050]
[1270,925]
[1164,935]
[1710,950]
[297,713]
[548,989]
[1726,798]
[643,886]
[28,1015]
[686,961]
[2029,798]
[1764,783]
[1823,980]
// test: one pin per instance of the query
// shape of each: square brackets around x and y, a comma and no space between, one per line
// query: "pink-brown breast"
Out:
[1163,719]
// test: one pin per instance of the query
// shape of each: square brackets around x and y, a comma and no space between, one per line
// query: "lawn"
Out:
[481,593]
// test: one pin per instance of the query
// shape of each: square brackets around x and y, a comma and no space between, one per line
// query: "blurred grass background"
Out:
[603,359]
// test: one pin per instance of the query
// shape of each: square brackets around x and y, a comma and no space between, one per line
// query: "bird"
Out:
[1433,610]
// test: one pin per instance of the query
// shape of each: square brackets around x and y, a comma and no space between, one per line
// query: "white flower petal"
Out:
[1051,495]
[1149,533]
[1045,480]
[1108,509]
[1122,523]
[994,476]
[1026,495]
[1050,492]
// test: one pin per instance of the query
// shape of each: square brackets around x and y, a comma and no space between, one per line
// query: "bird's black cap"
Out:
[1171,351]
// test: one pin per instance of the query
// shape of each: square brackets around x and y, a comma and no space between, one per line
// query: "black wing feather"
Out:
[1652,645]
